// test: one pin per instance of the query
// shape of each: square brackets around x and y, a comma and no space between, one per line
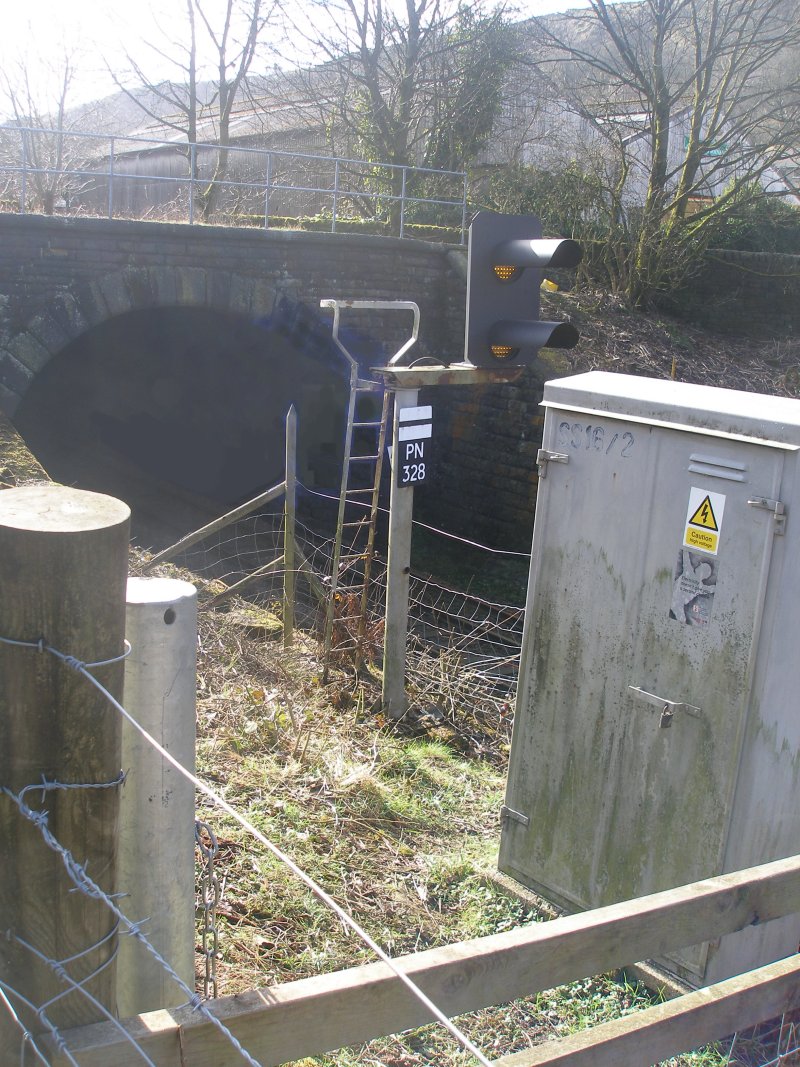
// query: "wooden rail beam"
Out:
[218,524]
[314,1015]
[654,1034]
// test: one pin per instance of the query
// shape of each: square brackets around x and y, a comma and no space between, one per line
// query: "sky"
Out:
[39,33]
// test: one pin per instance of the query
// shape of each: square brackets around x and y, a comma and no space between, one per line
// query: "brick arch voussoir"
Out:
[76,310]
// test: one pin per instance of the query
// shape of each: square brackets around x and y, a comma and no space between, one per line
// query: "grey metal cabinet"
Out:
[657,733]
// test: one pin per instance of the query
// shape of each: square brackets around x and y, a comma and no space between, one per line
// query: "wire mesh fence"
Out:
[775,1043]
[462,652]
[463,658]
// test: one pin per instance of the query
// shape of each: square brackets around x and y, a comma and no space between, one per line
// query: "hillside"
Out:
[614,338]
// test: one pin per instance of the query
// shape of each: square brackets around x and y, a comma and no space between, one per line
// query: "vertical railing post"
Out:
[192,166]
[464,209]
[289,525]
[111,181]
[335,195]
[156,815]
[398,574]
[403,203]
[24,183]
[267,190]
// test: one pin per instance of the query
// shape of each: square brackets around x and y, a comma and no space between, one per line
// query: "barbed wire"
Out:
[83,882]
[58,967]
[488,622]
[463,651]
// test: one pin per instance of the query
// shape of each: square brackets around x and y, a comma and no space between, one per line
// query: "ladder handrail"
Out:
[373,305]
[358,385]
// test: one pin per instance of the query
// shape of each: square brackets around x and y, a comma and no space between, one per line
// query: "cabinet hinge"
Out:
[776,507]
[515,816]
[544,456]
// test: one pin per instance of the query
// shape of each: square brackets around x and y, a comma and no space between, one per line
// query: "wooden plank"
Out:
[455,374]
[244,582]
[316,586]
[681,1025]
[218,524]
[315,1015]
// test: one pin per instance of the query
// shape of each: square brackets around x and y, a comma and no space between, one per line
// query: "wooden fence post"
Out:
[63,570]
[289,528]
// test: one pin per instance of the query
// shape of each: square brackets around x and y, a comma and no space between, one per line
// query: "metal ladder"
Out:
[362,466]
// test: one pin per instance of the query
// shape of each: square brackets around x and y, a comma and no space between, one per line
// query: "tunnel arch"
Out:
[176,388]
[78,308]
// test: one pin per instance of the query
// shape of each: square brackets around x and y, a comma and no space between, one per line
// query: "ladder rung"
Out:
[348,559]
[357,492]
[360,459]
[363,385]
[366,425]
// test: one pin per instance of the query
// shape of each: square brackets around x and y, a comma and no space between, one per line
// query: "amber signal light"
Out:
[505,273]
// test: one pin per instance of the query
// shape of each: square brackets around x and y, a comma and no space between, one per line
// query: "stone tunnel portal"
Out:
[180,411]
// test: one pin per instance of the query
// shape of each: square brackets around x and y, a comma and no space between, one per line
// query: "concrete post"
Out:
[289,528]
[156,847]
[398,572]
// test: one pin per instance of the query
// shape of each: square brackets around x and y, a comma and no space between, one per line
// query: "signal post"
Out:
[503,335]
[405,383]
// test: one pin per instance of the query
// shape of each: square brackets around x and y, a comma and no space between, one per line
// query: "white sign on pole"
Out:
[414,430]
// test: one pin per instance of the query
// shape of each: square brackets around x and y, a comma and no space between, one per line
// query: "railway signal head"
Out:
[507,256]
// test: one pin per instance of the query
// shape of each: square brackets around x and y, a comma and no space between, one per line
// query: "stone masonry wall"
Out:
[756,294]
[60,277]
[77,263]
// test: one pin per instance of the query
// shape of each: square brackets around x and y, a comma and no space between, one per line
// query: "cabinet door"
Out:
[640,641]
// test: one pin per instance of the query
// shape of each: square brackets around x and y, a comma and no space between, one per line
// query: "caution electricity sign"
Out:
[703,520]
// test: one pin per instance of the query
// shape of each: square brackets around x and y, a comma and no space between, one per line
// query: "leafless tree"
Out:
[415,84]
[691,101]
[231,33]
[42,136]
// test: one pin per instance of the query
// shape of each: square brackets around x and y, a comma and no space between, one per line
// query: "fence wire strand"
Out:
[463,652]
[85,884]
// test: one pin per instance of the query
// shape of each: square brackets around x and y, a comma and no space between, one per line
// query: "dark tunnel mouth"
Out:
[188,401]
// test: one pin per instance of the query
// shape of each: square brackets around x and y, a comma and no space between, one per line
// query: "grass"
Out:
[399,825]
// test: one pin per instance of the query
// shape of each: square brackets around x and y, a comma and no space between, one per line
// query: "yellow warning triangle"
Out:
[704,516]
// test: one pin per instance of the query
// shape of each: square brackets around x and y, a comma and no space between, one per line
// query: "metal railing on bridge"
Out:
[91,174]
